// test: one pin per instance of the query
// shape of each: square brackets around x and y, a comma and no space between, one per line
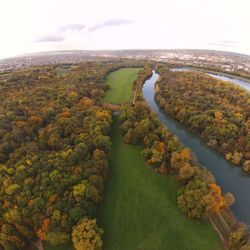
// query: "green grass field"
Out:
[139,209]
[121,83]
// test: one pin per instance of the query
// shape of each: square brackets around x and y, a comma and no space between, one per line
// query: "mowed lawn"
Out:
[139,208]
[121,84]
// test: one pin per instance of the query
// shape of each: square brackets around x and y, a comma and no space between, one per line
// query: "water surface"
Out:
[236,81]
[230,177]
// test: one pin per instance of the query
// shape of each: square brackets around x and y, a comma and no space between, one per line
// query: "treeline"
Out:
[143,75]
[199,196]
[216,110]
[54,140]
[241,73]
[165,154]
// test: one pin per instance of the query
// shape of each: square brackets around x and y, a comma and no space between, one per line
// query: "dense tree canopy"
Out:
[216,110]
[54,140]
[87,235]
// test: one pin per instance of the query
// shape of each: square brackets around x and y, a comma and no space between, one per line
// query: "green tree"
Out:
[193,199]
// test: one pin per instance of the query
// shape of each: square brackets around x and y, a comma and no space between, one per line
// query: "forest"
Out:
[216,110]
[55,139]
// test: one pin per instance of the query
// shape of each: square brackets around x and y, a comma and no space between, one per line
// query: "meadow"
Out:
[139,208]
[121,85]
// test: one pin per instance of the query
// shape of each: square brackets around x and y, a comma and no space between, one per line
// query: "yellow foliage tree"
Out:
[87,235]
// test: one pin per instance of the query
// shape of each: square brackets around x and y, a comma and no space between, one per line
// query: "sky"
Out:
[29,26]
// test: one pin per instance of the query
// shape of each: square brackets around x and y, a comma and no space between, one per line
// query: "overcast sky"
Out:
[43,25]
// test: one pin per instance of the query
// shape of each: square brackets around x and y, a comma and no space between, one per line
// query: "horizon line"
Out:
[96,50]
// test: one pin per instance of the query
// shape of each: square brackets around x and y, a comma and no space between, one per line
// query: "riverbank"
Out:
[227,176]
[216,73]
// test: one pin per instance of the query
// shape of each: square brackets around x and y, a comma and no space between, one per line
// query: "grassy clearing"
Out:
[139,209]
[121,83]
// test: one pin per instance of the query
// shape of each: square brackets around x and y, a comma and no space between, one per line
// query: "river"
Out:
[230,177]
[236,81]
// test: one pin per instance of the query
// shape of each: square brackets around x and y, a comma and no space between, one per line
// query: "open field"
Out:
[121,85]
[139,208]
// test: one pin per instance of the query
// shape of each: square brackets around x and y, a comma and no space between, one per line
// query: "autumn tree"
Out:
[229,198]
[186,172]
[215,110]
[87,235]
[197,198]
[179,159]
[246,166]
[54,145]
[193,199]
[239,237]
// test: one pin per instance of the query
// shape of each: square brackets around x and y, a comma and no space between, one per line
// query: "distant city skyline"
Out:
[44,25]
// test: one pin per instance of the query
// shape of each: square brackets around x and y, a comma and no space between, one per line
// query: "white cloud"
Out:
[159,24]
[111,23]
[61,33]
